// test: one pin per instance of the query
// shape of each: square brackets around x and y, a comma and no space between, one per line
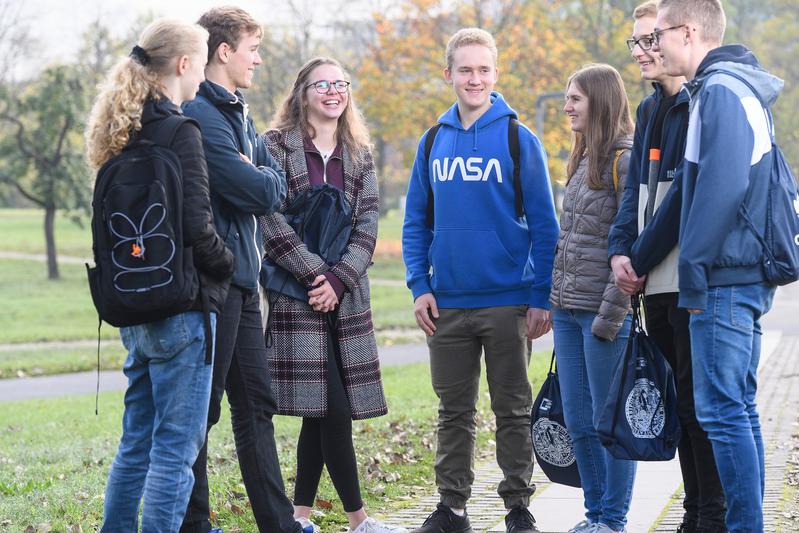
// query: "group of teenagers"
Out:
[650,207]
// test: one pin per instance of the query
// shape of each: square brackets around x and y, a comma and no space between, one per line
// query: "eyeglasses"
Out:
[645,42]
[657,33]
[323,86]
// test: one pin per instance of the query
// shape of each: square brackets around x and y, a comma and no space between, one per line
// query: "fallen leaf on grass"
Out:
[74,528]
[233,508]
[324,504]
[38,528]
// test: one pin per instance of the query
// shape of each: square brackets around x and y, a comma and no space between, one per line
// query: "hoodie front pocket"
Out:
[472,261]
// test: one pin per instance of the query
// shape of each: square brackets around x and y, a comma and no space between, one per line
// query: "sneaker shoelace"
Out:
[523,517]
[439,510]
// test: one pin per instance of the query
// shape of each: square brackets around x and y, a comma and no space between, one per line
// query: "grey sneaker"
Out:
[586,526]
[604,528]
[370,525]
[307,525]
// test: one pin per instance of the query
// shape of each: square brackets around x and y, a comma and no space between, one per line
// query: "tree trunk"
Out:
[49,237]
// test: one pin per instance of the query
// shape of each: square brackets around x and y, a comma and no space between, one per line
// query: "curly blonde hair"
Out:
[117,110]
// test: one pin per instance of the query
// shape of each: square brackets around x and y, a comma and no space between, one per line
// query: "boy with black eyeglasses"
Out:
[642,247]
[722,280]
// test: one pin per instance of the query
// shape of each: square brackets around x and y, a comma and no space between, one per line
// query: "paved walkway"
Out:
[658,485]
[114,380]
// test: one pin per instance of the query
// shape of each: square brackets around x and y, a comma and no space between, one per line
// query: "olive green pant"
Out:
[461,336]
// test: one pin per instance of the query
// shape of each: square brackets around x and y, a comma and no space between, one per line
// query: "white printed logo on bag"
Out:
[552,442]
[644,410]
[796,208]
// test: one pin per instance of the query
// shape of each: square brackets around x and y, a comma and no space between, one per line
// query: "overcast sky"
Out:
[57,25]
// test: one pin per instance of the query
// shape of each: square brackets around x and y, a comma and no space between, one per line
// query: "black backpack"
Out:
[513,146]
[143,272]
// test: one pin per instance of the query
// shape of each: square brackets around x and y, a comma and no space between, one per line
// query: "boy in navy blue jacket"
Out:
[245,182]
[721,278]
[490,281]
[642,247]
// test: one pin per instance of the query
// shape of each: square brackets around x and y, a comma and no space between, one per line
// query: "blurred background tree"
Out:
[394,51]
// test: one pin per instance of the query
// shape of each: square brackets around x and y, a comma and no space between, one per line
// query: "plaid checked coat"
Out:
[298,353]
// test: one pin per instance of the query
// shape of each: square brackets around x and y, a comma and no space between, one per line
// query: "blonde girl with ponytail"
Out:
[169,382]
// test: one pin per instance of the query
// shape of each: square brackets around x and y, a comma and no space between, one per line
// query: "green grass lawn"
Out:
[55,455]
[59,360]
[390,226]
[36,309]
[39,310]
[22,230]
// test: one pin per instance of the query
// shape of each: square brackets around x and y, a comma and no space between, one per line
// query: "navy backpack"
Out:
[552,445]
[780,240]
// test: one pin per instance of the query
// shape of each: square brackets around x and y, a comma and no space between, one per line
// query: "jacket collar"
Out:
[292,141]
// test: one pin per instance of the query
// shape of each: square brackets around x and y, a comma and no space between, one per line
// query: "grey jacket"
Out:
[581,277]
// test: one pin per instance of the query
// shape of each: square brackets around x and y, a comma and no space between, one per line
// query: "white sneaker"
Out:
[370,525]
[307,525]
[586,526]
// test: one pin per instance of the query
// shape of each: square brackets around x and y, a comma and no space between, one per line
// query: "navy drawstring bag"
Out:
[639,421]
[322,218]
[552,445]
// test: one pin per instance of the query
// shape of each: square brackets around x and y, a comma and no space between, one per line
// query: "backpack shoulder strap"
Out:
[428,147]
[515,153]
[429,140]
[164,132]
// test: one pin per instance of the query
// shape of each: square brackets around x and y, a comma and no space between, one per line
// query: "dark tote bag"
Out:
[639,421]
[552,445]
[322,218]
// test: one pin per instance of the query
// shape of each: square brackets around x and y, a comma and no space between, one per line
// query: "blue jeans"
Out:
[585,365]
[726,351]
[166,408]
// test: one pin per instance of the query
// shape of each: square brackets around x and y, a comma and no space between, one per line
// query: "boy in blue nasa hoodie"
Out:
[721,277]
[490,281]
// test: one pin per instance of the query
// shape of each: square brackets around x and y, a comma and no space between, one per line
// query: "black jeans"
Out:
[704,505]
[328,441]
[240,369]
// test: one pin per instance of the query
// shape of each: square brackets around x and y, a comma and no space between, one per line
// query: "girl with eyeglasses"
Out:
[322,350]
[590,316]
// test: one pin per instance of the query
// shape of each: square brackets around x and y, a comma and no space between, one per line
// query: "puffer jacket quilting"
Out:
[581,277]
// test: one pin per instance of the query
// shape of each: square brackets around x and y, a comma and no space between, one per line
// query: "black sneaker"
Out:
[443,520]
[519,520]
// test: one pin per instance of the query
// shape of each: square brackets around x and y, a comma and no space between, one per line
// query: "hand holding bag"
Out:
[552,445]
[639,421]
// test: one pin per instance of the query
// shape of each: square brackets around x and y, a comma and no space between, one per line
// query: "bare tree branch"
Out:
[56,159]
[20,135]
[14,183]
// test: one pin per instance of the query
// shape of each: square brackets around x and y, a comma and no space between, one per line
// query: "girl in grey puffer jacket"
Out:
[590,315]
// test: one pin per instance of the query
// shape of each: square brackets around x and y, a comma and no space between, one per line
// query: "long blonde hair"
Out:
[351,130]
[608,120]
[117,111]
